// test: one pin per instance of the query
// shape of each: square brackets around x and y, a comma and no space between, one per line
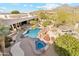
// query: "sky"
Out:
[28,7]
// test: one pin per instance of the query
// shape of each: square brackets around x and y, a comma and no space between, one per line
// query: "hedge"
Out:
[67,45]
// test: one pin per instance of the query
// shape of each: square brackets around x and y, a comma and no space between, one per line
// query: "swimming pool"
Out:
[40,44]
[32,32]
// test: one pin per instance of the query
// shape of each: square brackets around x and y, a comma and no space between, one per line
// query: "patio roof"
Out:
[15,20]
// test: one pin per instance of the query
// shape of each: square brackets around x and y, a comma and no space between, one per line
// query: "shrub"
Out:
[33,22]
[67,45]
[7,41]
[7,44]
[46,23]
[43,15]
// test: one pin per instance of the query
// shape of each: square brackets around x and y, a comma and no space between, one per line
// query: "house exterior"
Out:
[15,20]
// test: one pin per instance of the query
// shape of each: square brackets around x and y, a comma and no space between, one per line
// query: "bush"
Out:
[7,41]
[67,45]
[33,22]
[46,23]
[7,44]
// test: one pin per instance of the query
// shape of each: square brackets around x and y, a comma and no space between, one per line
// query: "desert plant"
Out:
[67,45]
[4,31]
[7,41]
[42,15]
[46,23]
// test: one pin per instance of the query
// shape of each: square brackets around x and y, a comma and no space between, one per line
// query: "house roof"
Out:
[15,20]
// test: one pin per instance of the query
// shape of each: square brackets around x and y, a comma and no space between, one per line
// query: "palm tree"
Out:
[4,31]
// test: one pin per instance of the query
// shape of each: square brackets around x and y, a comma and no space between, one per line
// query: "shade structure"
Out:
[14,21]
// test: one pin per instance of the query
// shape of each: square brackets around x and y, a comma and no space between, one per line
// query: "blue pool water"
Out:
[32,33]
[40,44]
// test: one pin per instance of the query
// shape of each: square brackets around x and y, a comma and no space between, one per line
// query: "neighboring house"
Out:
[65,29]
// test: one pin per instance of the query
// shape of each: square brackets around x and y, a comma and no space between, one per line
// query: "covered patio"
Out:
[17,23]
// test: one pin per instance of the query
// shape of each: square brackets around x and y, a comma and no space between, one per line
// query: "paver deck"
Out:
[28,51]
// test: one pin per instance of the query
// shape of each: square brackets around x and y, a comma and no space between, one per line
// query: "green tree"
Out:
[4,31]
[15,12]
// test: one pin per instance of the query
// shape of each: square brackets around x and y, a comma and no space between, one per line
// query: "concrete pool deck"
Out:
[16,50]
[27,50]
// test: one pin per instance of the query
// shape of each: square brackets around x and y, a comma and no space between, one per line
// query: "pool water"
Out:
[40,44]
[32,33]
